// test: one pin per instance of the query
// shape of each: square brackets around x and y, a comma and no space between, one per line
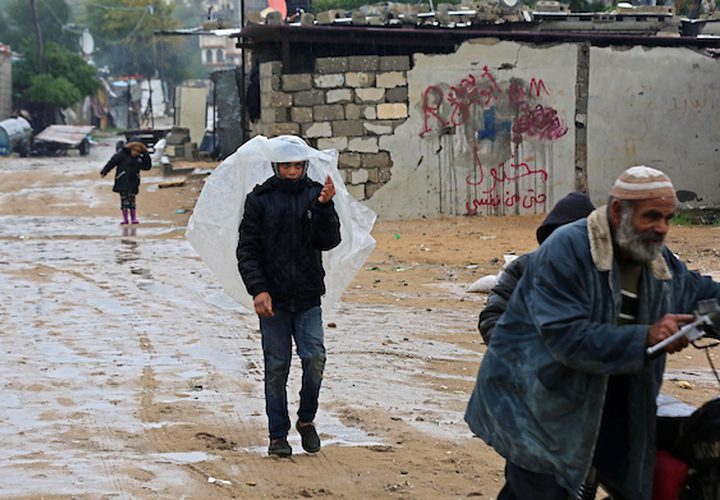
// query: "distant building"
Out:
[219,52]
[5,81]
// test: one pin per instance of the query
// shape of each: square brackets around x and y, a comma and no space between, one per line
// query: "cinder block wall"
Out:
[347,103]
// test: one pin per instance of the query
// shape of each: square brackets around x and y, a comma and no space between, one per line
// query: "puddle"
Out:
[31,227]
[188,457]
[703,376]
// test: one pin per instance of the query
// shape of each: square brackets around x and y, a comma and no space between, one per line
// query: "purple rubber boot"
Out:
[125,216]
[133,216]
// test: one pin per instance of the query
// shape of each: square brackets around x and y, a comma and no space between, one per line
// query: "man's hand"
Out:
[328,191]
[102,174]
[669,324]
[263,305]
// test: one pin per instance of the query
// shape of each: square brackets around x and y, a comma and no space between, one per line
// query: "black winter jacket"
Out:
[570,208]
[499,296]
[282,235]
[127,175]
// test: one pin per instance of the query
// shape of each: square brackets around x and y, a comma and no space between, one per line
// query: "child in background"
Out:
[132,158]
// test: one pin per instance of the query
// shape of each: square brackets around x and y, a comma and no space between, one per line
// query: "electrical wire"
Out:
[108,41]
[103,6]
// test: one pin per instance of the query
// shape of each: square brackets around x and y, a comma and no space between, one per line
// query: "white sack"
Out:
[483,285]
[508,258]
[213,228]
[158,151]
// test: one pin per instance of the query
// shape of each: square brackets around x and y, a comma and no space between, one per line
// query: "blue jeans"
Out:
[306,328]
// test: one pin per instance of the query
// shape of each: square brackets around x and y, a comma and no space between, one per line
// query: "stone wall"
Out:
[500,127]
[348,104]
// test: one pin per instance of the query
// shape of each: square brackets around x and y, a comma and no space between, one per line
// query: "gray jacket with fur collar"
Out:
[540,391]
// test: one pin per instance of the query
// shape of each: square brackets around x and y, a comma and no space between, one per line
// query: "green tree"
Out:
[53,17]
[4,29]
[66,79]
[124,33]
[45,89]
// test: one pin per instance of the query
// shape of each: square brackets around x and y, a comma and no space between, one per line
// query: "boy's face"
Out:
[292,170]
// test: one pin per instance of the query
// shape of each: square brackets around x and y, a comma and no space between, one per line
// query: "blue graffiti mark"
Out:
[492,127]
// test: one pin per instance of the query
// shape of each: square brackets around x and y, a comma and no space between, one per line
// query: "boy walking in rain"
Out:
[288,221]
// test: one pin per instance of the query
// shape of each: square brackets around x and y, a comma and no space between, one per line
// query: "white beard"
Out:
[636,245]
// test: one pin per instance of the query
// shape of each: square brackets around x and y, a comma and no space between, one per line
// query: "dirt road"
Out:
[127,372]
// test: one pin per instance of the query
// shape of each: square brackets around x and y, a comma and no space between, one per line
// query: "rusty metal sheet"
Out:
[72,135]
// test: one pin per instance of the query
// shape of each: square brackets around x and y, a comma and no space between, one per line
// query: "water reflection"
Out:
[127,251]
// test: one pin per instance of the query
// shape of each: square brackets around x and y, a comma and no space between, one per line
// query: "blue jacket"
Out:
[540,391]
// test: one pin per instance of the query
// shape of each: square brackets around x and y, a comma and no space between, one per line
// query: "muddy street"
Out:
[127,371]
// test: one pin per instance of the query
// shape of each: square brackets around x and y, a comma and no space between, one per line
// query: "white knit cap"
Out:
[642,183]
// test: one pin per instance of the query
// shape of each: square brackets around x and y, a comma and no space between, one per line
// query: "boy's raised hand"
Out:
[328,191]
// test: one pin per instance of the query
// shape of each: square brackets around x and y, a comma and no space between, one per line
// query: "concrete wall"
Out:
[5,82]
[658,107]
[191,109]
[501,127]
[490,131]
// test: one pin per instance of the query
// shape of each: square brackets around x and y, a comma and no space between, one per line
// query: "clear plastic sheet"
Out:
[213,228]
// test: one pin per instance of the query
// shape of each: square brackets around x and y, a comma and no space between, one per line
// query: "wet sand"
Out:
[129,373]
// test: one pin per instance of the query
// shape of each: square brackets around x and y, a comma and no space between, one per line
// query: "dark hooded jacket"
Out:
[572,207]
[282,235]
[127,175]
[540,391]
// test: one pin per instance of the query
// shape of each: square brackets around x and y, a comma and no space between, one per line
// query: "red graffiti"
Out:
[462,97]
[492,199]
[432,101]
[481,92]
[516,92]
[501,175]
[472,92]
[480,168]
[518,171]
[538,85]
[491,90]
[538,122]
[475,103]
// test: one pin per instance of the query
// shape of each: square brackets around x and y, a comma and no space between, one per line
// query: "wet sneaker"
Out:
[309,437]
[279,447]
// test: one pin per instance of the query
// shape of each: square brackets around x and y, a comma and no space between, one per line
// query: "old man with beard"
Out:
[565,384]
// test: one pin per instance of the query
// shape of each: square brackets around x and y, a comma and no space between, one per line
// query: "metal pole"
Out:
[129,103]
[150,104]
[38,38]
[243,78]
[214,136]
